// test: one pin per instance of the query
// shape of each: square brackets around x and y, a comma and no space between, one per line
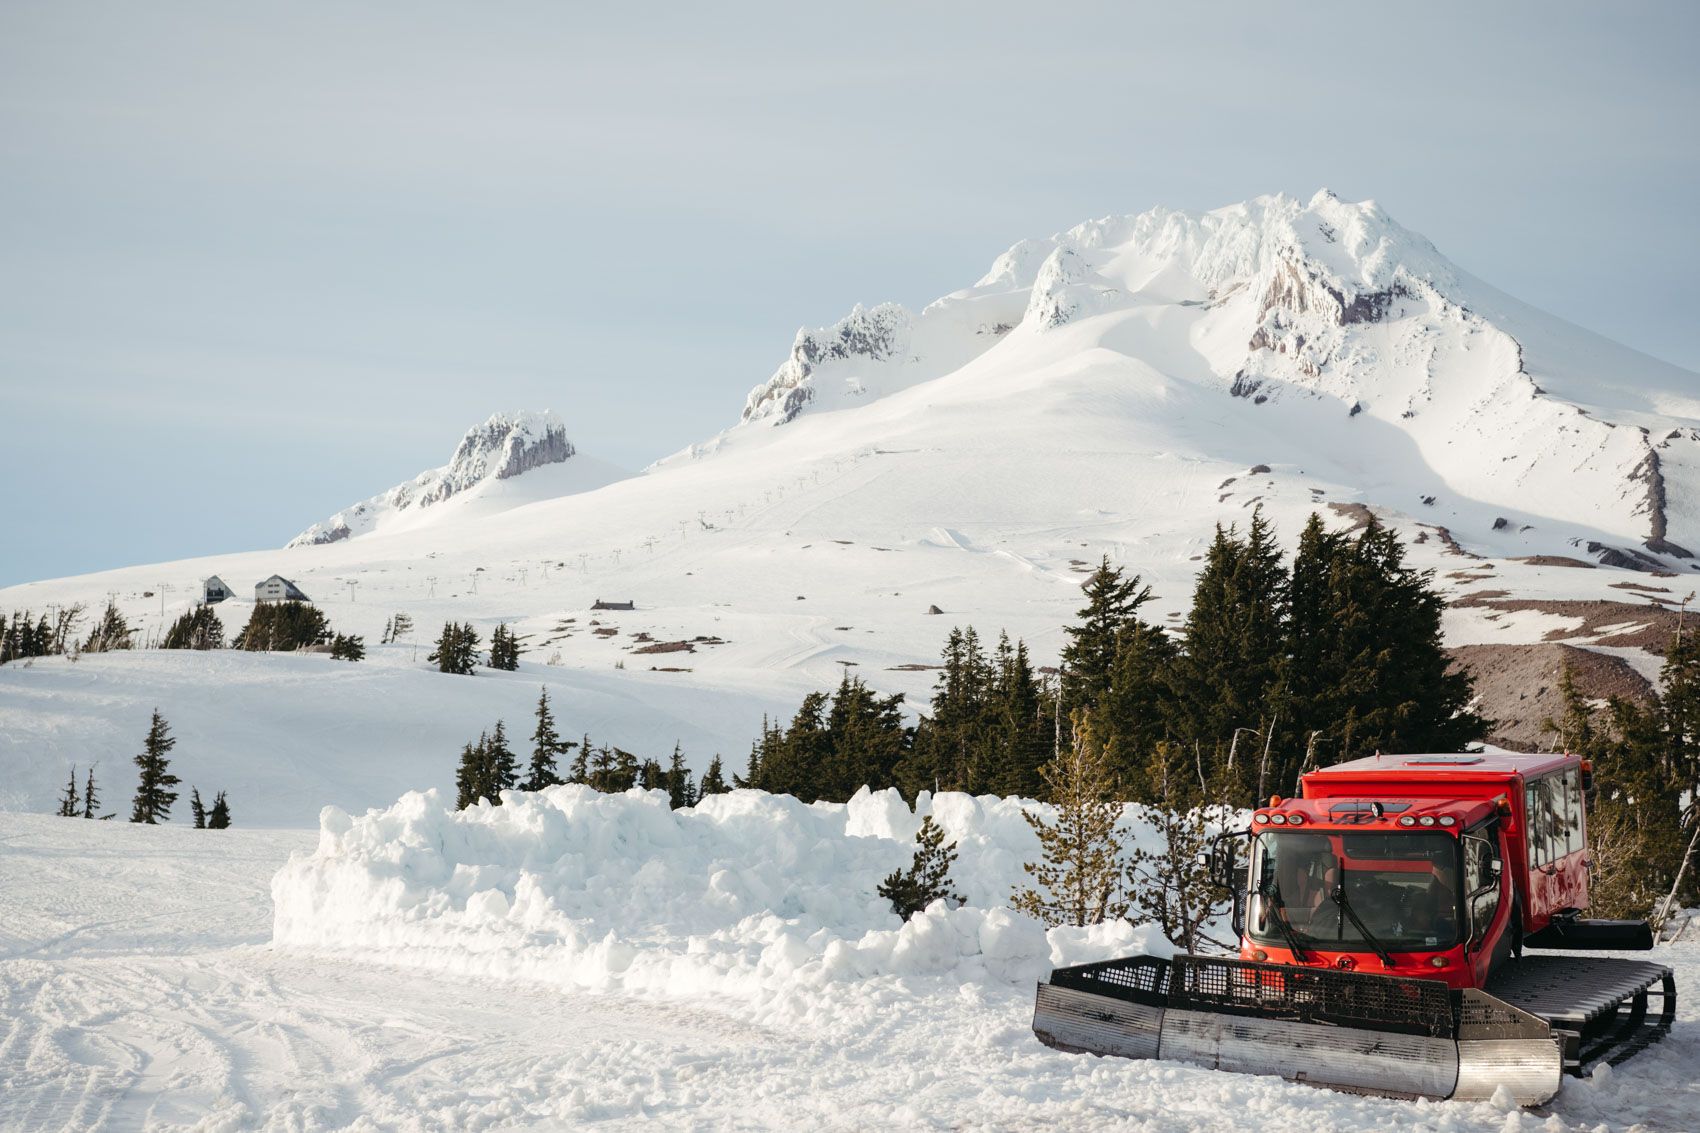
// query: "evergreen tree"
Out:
[1076,881]
[91,800]
[456,649]
[218,818]
[1235,638]
[470,776]
[927,879]
[713,780]
[199,628]
[1089,658]
[504,649]
[626,768]
[651,777]
[197,809]
[351,647]
[579,772]
[111,632]
[680,791]
[282,626]
[154,795]
[601,775]
[502,767]
[546,748]
[68,801]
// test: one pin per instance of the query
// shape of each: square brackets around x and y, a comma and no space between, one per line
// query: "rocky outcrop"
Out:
[874,334]
[505,446]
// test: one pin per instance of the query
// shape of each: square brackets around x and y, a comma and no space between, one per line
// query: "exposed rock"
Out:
[1517,687]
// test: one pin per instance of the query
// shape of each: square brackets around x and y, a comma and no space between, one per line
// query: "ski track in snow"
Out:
[139,990]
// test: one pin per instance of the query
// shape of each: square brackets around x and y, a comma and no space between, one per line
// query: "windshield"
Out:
[1402,886]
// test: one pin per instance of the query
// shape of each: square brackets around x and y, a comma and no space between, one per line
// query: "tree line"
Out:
[1277,669]
[489,765]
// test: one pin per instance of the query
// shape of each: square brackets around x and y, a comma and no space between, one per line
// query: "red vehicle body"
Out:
[1428,866]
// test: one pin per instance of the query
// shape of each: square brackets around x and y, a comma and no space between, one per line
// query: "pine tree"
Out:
[626,769]
[110,633]
[351,647]
[502,772]
[282,626]
[1235,638]
[68,801]
[218,818]
[677,780]
[651,777]
[928,877]
[600,774]
[504,649]
[456,649]
[546,748]
[579,772]
[91,800]
[713,780]
[470,775]
[1089,658]
[154,795]
[197,809]
[1078,878]
[199,628]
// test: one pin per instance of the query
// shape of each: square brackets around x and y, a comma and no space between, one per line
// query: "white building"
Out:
[278,589]
[214,591]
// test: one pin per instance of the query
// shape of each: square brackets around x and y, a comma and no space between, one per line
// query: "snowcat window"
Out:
[1572,811]
[1480,852]
[1404,887]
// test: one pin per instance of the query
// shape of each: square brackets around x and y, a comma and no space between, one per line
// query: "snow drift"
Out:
[749,896]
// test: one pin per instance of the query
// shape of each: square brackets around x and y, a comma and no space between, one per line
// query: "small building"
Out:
[278,589]
[599,604]
[214,591]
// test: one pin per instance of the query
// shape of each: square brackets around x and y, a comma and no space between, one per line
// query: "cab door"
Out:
[1487,902]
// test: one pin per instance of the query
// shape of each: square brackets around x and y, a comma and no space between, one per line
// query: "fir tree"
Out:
[91,800]
[502,772]
[677,780]
[199,628]
[713,780]
[651,777]
[928,877]
[626,769]
[218,818]
[351,647]
[1089,658]
[1076,881]
[456,649]
[197,809]
[504,649]
[282,626]
[68,801]
[154,795]
[470,775]
[110,633]
[579,772]
[546,748]
[600,773]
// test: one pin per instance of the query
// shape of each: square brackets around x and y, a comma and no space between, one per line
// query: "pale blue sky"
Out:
[259,262]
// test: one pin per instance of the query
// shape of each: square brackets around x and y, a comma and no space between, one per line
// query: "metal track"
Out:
[1600,1006]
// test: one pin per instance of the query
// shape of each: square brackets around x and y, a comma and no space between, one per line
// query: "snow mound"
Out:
[751,896]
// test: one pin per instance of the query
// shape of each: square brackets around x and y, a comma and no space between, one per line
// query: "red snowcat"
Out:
[1383,918]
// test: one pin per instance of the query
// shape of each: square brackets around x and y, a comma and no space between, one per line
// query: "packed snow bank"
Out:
[751,895]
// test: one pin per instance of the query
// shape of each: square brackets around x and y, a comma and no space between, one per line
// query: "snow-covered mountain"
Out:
[1326,302]
[1115,390]
[490,454]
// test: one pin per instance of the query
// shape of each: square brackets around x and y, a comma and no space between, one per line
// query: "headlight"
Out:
[1407,820]
[1448,820]
[1426,820]
[1278,819]
[1296,819]
[1260,817]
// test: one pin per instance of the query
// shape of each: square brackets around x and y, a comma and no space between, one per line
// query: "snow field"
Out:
[748,897]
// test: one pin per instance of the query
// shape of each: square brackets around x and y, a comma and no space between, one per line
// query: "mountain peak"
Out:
[502,447]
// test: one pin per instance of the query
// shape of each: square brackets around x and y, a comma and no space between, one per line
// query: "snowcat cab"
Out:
[1382,919]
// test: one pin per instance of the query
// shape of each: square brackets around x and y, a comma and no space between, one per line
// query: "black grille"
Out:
[1272,991]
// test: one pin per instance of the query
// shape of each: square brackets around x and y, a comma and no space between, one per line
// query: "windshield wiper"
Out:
[1288,932]
[1339,896]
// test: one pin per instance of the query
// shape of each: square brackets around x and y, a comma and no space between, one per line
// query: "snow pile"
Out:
[748,895]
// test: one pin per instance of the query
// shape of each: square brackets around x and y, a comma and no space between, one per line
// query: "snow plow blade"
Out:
[1367,1034]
